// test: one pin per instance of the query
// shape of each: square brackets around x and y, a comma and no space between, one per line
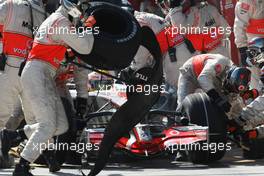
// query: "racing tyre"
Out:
[256,149]
[116,39]
[202,112]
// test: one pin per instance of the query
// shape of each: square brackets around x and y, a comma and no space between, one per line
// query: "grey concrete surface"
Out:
[231,165]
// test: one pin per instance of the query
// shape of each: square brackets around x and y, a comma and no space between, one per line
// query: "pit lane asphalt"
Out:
[231,165]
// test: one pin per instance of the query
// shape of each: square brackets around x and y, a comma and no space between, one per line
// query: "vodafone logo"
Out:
[20,51]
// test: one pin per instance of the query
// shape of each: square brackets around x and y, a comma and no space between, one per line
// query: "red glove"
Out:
[252,134]
[249,95]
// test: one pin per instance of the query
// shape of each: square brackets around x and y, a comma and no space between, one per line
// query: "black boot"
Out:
[22,169]
[6,163]
[8,139]
[51,160]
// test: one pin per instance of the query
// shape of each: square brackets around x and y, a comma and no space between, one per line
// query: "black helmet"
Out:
[237,79]
[255,52]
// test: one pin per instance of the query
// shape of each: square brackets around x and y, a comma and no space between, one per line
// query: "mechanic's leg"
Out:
[16,118]
[8,97]
[171,69]
[40,89]
[186,86]
[51,118]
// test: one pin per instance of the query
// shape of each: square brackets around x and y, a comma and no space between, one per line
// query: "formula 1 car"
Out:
[200,129]
[161,131]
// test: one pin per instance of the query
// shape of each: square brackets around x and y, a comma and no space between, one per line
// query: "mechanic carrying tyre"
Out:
[17,17]
[49,48]
[120,34]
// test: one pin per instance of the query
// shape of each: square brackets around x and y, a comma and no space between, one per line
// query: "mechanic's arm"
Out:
[80,79]
[254,113]
[4,11]
[212,69]
[243,12]
[82,43]
[143,58]
[221,20]
[237,105]
[176,17]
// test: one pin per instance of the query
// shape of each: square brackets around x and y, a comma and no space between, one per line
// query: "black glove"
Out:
[243,56]
[3,60]
[126,74]
[219,101]
[139,76]
[81,106]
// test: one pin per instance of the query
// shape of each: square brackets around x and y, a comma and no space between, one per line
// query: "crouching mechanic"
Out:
[215,75]
[38,82]
[252,116]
